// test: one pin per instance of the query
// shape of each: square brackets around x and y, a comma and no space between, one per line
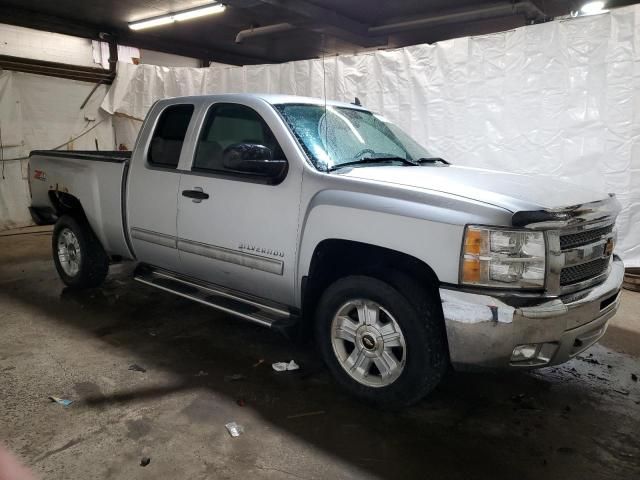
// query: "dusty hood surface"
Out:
[514,192]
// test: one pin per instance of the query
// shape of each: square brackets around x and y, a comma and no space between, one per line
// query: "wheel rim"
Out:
[368,343]
[69,252]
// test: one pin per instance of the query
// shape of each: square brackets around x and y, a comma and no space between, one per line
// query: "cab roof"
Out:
[275,99]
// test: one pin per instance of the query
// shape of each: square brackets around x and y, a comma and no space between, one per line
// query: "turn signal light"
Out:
[473,242]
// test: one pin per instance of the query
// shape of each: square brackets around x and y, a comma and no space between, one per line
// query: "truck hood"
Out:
[511,191]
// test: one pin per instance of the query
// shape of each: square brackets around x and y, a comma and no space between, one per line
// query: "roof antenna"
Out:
[356,102]
[324,90]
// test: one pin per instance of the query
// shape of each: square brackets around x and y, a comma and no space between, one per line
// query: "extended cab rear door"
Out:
[241,230]
[154,179]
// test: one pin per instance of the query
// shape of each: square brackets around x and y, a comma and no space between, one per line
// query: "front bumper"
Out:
[483,329]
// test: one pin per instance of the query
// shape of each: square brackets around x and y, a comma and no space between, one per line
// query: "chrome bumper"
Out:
[484,329]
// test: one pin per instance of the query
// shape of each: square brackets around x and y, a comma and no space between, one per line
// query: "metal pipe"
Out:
[266,30]
[93,90]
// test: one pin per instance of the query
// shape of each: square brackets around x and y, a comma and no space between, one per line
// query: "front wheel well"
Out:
[335,258]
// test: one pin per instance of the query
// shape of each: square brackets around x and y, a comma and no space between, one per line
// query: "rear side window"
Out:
[168,137]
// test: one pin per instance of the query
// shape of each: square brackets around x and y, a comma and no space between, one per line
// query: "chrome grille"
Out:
[584,237]
[584,271]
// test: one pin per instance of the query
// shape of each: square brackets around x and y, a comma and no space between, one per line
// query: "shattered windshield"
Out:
[342,135]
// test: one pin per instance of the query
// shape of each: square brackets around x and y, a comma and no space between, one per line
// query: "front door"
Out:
[235,228]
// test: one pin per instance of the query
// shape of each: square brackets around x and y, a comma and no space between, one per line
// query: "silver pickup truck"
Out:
[290,211]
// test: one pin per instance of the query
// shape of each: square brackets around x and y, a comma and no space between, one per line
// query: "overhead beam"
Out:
[55,69]
[324,20]
[489,10]
[51,23]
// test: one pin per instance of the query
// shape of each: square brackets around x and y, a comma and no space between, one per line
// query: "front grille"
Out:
[585,237]
[585,271]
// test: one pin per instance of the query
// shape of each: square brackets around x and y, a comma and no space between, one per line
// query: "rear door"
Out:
[153,185]
[243,235]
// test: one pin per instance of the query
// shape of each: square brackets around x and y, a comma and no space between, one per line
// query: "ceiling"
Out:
[316,27]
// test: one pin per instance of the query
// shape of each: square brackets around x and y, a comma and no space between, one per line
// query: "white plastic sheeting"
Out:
[13,189]
[38,112]
[560,99]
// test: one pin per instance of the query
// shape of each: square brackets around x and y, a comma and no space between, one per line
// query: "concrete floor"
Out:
[577,421]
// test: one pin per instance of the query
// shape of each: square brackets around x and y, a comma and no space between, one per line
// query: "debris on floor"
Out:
[137,368]
[234,429]
[634,377]
[202,373]
[307,414]
[592,361]
[145,461]
[284,366]
[62,401]
[258,363]
[241,402]
[235,377]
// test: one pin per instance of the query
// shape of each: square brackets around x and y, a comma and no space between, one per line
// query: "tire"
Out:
[86,264]
[415,361]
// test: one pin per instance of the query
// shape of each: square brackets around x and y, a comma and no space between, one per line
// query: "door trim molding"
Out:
[154,237]
[250,260]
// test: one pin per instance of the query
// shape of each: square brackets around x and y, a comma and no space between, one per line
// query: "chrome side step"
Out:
[215,297]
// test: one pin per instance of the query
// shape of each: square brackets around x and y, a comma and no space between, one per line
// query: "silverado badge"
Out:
[247,247]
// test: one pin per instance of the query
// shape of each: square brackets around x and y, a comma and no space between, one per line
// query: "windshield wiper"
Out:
[371,160]
[432,160]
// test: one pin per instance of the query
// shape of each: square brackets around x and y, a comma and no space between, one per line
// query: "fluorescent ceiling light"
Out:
[199,12]
[178,16]
[152,22]
[591,8]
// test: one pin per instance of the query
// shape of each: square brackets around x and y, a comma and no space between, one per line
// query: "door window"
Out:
[229,126]
[168,137]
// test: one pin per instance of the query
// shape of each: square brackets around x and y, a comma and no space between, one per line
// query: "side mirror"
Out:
[252,158]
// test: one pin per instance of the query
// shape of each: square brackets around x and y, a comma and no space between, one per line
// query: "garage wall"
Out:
[38,112]
[560,99]
[151,57]
[43,112]
[52,47]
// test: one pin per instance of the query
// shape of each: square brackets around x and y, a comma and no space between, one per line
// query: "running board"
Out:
[216,297]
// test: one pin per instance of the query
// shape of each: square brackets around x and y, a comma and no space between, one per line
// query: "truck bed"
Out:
[117,156]
[95,178]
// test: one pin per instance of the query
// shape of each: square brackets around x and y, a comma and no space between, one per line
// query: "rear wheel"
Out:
[79,257]
[383,346]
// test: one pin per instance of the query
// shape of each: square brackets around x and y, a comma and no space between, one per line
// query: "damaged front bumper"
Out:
[510,330]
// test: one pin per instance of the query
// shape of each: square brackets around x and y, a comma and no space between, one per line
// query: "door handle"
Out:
[197,195]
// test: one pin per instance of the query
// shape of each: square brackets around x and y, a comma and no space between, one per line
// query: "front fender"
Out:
[430,231]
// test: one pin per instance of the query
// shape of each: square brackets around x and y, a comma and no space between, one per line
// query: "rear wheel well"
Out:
[334,259]
[66,204]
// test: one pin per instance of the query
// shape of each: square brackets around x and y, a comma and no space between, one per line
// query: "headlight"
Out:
[503,258]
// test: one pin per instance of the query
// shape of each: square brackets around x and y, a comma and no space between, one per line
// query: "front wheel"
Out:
[383,346]
[79,257]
